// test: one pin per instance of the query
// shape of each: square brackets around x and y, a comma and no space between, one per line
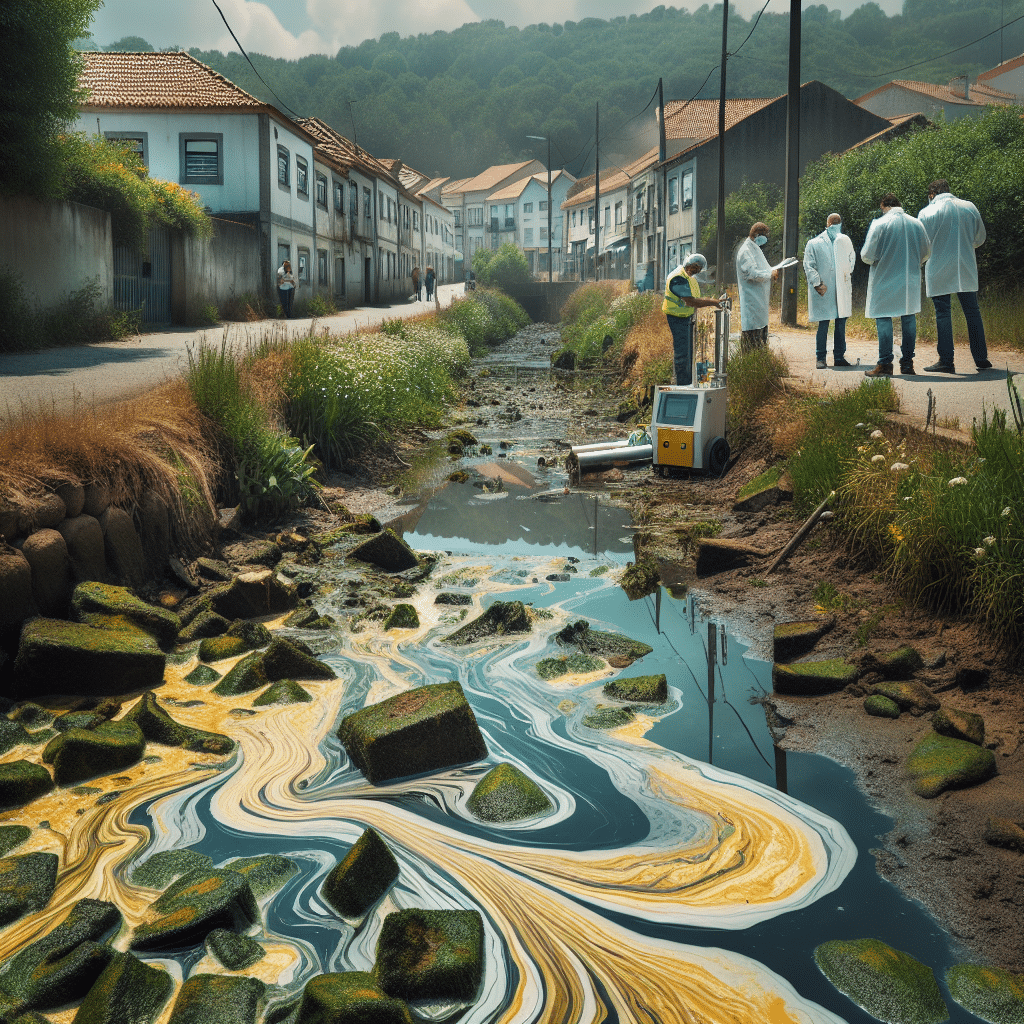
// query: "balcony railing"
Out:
[640,218]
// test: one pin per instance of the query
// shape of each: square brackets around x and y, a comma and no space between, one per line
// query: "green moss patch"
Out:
[127,991]
[80,754]
[507,794]
[609,718]
[595,642]
[990,993]
[158,727]
[217,999]
[12,836]
[640,579]
[12,734]
[102,605]
[233,951]
[218,648]
[885,982]
[431,954]
[21,782]
[27,881]
[265,874]
[960,725]
[425,729]
[286,691]
[881,707]
[246,675]
[451,598]
[572,664]
[163,868]
[205,624]
[939,763]
[1005,833]
[901,663]
[640,689]
[353,996]
[503,618]
[811,677]
[794,639]
[284,659]
[202,675]
[366,873]
[387,551]
[911,696]
[402,616]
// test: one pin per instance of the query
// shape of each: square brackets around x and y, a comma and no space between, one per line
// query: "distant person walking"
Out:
[828,265]
[416,283]
[430,283]
[755,281]
[895,248]
[682,300]
[955,229]
[286,285]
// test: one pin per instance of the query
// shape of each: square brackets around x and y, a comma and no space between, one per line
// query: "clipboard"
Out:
[790,261]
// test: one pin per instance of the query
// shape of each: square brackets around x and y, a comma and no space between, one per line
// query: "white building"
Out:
[528,198]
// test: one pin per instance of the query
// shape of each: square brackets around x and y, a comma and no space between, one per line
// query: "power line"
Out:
[250,63]
[752,27]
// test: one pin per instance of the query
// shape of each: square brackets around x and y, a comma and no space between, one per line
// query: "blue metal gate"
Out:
[143,280]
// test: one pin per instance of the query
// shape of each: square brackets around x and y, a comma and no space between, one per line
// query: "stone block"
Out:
[811,677]
[27,881]
[127,992]
[84,538]
[109,607]
[641,689]
[122,547]
[233,951]
[218,999]
[505,793]
[80,754]
[21,782]
[96,499]
[715,555]
[387,551]
[16,603]
[53,576]
[960,725]
[46,512]
[794,639]
[158,727]
[349,998]
[73,496]
[365,874]
[155,520]
[939,763]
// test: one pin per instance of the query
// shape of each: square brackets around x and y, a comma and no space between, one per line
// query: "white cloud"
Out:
[348,22]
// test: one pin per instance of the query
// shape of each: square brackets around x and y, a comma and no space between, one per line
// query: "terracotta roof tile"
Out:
[156,80]
[979,95]
[486,180]
[1007,65]
[698,119]
[583,191]
[342,152]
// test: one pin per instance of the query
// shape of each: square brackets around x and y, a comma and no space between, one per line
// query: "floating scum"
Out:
[722,851]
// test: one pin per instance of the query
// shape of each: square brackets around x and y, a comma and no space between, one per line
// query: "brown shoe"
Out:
[881,370]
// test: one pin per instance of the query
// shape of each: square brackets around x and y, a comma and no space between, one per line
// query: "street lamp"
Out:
[547,139]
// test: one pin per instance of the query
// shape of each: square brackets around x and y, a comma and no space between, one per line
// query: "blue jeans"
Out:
[944,326]
[909,341]
[838,338]
[682,347]
[286,295]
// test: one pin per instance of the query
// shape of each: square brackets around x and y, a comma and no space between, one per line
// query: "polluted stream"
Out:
[682,873]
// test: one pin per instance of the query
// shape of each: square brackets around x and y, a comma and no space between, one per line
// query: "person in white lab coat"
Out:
[896,247]
[955,229]
[828,266]
[755,278]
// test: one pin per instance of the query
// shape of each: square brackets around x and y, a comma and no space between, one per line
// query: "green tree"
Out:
[40,75]
[506,268]
[753,201]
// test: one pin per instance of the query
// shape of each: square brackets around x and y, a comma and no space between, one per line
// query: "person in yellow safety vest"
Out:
[682,297]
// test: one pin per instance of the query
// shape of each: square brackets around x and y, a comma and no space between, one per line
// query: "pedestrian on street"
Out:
[828,265]
[417,290]
[895,248]
[682,298]
[430,283]
[286,285]
[755,281]
[955,229]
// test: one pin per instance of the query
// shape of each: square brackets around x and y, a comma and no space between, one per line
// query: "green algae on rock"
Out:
[218,648]
[575,664]
[285,659]
[639,689]
[193,906]
[158,727]
[901,663]
[595,642]
[217,999]
[352,996]
[127,992]
[431,954]
[911,696]
[402,616]
[80,754]
[609,718]
[506,793]
[885,982]
[233,951]
[110,607]
[21,782]
[502,618]
[939,763]
[451,598]
[265,873]
[387,551]
[990,993]
[163,868]
[881,707]
[1005,833]
[12,734]
[244,677]
[640,579]
[960,725]
[285,691]
[12,836]
[202,675]
[27,881]
[422,730]
[205,625]
[365,874]
[813,677]
[793,639]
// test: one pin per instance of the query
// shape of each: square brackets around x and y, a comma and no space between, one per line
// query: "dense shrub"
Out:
[505,268]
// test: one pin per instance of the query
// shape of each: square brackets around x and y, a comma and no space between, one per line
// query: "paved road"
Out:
[57,378]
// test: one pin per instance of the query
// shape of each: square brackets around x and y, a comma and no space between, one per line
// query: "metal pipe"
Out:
[625,455]
[577,448]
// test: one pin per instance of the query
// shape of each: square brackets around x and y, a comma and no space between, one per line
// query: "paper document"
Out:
[788,262]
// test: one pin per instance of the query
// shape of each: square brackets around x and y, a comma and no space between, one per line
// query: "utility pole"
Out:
[790,234]
[660,269]
[720,257]
[597,188]
[549,212]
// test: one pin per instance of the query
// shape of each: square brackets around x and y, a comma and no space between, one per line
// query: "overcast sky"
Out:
[295,28]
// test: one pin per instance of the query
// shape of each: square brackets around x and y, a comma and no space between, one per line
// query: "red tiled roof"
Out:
[454,186]
[583,191]
[897,126]
[486,180]
[698,119]
[158,80]
[978,95]
[1007,65]
[341,151]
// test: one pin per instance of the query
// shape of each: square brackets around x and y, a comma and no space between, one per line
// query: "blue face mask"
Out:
[833,231]
[761,239]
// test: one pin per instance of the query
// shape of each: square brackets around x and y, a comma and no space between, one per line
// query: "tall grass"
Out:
[483,318]
[754,380]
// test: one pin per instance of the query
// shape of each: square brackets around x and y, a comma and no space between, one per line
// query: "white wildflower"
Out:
[989,541]
[979,552]
[958,481]
[860,448]
[877,433]
[898,467]
[878,458]
[860,426]
[1006,511]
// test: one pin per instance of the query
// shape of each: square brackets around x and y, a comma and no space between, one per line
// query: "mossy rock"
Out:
[881,707]
[79,720]
[366,873]
[202,675]
[218,648]
[12,734]
[507,794]
[158,727]
[250,596]
[577,664]
[233,951]
[163,868]
[109,607]
[55,656]
[639,689]
[253,634]
[193,906]
[609,718]
[503,618]
[286,691]
[244,677]
[206,624]
[795,639]
[218,999]
[27,881]
[990,993]
[1005,833]
[31,715]
[301,618]
[403,616]
[423,730]
[960,725]
[885,982]
[813,677]
[265,873]
[80,754]
[21,782]
[939,763]
[127,992]
[285,659]
[12,836]
[462,437]
[387,551]
[449,597]
[595,642]
[64,964]
[901,663]
[911,696]
[762,491]
[638,580]
[350,998]
[431,954]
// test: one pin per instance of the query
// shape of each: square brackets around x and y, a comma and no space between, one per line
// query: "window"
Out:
[201,162]
[339,197]
[137,142]
[283,165]
[321,264]
[510,215]
[284,252]
[618,213]
[321,191]
[366,204]
[543,234]
[574,218]
[415,220]
[353,201]
[590,218]
[437,226]
[304,265]
[527,207]
[527,236]
[607,217]
[301,176]
[687,189]
[475,216]
[458,218]
[673,195]
[543,205]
